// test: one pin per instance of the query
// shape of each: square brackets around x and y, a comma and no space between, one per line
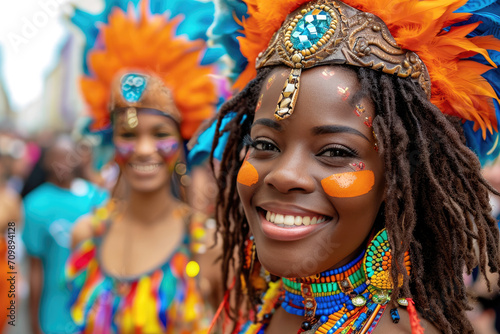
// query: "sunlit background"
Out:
[40,54]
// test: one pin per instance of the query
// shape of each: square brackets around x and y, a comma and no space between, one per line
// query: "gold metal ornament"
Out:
[132,120]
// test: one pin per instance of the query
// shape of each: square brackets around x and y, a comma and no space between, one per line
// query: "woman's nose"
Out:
[291,173]
[145,146]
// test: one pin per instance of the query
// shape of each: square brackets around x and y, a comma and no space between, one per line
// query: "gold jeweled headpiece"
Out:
[326,32]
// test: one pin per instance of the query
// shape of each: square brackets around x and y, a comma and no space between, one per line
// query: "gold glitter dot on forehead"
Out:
[344,92]
[270,81]
[327,73]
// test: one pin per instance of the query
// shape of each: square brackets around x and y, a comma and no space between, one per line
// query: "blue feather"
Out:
[488,13]
[203,147]
[225,30]
[475,5]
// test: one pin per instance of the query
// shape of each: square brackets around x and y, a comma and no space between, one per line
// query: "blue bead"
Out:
[133,86]
[310,29]
[395,315]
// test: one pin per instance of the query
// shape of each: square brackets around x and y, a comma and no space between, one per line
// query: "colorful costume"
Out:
[164,300]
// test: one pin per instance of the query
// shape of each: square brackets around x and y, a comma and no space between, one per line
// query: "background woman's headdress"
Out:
[457,40]
[146,43]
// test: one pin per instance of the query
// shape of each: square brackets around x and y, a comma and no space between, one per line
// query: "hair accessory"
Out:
[451,37]
[249,253]
[141,63]
[132,120]
[330,32]
[133,85]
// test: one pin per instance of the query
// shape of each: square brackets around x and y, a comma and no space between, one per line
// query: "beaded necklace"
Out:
[347,300]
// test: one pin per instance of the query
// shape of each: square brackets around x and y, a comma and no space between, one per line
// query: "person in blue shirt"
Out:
[50,211]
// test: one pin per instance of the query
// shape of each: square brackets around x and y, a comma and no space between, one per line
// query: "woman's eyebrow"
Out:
[160,127]
[269,123]
[327,129]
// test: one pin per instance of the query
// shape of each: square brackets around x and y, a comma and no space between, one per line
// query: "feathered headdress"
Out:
[148,43]
[194,24]
[449,36]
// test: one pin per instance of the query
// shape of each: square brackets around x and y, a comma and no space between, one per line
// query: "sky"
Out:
[31,34]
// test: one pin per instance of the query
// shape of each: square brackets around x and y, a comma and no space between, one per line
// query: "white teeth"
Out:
[298,220]
[306,221]
[145,168]
[289,220]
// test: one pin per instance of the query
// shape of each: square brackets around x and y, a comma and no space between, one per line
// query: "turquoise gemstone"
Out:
[310,29]
[133,85]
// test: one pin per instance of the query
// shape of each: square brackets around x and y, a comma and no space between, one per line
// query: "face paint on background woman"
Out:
[123,152]
[169,150]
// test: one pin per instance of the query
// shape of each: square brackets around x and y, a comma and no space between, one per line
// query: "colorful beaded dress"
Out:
[163,300]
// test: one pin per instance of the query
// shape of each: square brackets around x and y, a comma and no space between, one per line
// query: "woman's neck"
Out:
[150,207]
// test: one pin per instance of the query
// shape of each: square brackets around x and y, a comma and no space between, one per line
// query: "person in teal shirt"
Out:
[50,212]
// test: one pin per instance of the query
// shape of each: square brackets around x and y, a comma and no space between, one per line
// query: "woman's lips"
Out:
[290,227]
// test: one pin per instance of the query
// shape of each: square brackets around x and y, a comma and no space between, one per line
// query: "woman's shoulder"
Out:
[82,230]
[386,324]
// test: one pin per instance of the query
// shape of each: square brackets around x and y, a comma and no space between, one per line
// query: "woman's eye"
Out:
[162,135]
[338,152]
[262,145]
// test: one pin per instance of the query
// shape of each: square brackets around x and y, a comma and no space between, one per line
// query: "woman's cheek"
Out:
[247,174]
[349,184]
[168,149]
[123,152]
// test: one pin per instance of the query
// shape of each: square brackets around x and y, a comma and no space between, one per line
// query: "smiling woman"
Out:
[138,263]
[353,198]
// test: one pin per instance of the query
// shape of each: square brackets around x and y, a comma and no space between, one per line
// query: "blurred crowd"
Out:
[47,182]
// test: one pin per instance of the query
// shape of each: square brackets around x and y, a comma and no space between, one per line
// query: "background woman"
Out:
[135,270]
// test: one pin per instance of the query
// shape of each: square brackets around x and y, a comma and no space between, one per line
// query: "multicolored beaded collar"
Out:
[347,300]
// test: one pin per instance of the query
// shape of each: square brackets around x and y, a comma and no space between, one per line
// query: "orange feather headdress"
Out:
[458,87]
[148,44]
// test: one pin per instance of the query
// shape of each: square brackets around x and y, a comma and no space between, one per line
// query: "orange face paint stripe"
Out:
[247,175]
[350,184]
